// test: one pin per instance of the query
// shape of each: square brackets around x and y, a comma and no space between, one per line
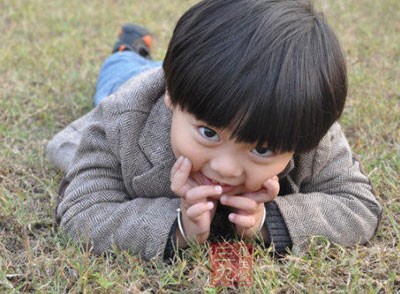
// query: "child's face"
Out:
[216,159]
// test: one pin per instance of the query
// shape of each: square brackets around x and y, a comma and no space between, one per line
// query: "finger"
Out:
[180,177]
[245,221]
[239,202]
[261,196]
[200,193]
[181,164]
[272,181]
[272,186]
[176,166]
[198,209]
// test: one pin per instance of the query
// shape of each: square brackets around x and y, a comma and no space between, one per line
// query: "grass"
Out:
[51,52]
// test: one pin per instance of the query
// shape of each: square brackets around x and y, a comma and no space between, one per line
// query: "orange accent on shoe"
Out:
[148,40]
[121,48]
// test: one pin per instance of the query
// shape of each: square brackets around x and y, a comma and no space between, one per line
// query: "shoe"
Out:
[134,38]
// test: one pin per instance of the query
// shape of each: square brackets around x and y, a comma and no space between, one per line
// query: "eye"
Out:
[262,151]
[209,134]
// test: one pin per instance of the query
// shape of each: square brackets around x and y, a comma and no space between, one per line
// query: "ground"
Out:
[51,52]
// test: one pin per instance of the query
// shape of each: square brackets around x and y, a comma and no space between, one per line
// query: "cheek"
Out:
[257,176]
[186,146]
[197,157]
[256,179]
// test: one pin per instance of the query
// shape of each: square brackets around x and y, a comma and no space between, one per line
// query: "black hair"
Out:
[272,71]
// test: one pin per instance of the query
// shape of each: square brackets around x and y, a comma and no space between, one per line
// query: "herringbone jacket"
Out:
[117,188]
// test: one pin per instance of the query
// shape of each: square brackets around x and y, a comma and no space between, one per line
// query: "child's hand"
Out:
[198,203]
[249,208]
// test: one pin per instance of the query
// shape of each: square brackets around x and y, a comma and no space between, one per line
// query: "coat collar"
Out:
[155,138]
[154,144]
[287,170]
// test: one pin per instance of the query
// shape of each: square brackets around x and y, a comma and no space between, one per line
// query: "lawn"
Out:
[50,54]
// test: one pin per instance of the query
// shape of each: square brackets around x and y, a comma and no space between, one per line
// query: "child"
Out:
[236,134]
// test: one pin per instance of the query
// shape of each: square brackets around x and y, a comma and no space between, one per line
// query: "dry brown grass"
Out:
[51,52]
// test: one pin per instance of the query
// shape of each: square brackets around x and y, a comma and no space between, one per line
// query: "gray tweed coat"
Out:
[116,192]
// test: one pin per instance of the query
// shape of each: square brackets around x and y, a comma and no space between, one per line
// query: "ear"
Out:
[167,100]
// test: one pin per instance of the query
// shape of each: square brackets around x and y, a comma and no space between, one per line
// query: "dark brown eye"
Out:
[209,134]
[262,151]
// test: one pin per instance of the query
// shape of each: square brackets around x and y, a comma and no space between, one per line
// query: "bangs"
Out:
[284,88]
[246,101]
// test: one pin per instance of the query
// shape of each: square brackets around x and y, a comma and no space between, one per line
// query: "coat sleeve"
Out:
[95,205]
[335,200]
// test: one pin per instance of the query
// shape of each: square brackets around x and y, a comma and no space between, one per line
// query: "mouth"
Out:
[225,187]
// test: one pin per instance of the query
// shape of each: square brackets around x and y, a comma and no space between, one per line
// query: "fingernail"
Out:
[223,198]
[267,182]
[185,160]
[218,189]
[231,217]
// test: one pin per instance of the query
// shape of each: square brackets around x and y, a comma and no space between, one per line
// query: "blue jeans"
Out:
[117,69]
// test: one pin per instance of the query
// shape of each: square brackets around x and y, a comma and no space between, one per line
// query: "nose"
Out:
[226,165]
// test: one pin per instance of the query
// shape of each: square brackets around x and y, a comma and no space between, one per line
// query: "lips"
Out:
[225,187]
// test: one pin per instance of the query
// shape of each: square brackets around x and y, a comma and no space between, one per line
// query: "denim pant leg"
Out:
[117,69]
